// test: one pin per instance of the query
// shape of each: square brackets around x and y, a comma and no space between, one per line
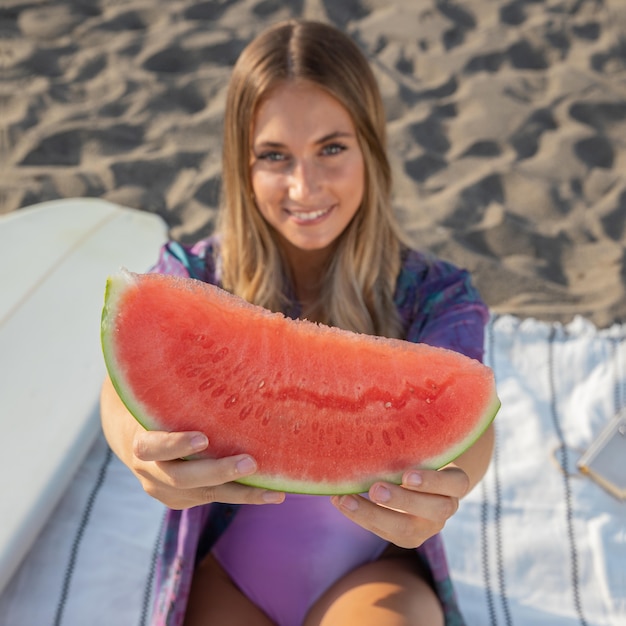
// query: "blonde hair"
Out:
[358,289]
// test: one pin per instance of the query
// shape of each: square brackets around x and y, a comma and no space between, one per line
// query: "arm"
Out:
[155,457]
[445,311]
[475,461]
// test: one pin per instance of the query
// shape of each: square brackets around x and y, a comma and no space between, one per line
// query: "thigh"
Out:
[392,591]
[215,599]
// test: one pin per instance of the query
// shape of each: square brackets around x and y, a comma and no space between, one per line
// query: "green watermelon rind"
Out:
[116,287]
[119,284]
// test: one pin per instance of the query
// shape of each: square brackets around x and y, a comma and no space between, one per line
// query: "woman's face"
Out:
[307,168]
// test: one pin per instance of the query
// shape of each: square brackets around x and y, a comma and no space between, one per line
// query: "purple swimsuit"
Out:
[284,557]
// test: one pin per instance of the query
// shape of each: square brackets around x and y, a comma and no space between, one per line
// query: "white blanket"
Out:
[535,544]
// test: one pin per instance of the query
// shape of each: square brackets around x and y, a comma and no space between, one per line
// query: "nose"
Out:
[304,181]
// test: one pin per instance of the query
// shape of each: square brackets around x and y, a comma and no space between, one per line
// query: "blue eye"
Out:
[333,148]
[272,156]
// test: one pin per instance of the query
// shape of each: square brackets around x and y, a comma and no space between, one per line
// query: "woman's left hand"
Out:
[408,514]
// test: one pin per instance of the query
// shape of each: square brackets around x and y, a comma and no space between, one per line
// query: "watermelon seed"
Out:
[338,439]
[220,354]
[261,384]
[297,427]
[400,433]
[386,438]
[387,405]
[245,412]
[232,400]
[266,419]
[218,391]
[205,384]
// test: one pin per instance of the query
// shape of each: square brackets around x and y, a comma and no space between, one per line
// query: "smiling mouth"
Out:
[309,216]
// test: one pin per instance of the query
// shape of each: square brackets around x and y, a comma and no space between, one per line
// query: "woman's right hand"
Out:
[156,459]
[179,484]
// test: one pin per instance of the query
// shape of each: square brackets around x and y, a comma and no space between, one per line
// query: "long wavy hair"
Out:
[357,292]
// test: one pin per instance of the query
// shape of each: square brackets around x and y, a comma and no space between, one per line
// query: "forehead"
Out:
[300,107]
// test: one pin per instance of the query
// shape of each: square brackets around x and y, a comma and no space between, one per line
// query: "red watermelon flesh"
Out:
[321,410]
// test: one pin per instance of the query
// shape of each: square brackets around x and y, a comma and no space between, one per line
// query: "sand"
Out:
[507,125]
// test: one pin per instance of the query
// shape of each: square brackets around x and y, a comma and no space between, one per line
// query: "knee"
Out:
[388,592]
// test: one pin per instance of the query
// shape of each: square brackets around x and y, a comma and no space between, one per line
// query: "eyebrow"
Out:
[338,134]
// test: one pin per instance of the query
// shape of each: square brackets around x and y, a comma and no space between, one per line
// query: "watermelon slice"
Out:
[321,410]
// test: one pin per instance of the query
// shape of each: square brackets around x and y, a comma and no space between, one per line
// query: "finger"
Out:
[205,472]
[450,481]
[433,507]
[164,446]
[235,493]
[401,529]
[230,493]
[183,484]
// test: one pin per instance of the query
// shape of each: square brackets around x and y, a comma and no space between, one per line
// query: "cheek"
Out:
[265,186]
[267,196]
[353,181]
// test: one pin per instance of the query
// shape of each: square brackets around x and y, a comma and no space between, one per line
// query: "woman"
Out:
[307,228]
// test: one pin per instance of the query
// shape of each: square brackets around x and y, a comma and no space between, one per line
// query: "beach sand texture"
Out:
[507,125]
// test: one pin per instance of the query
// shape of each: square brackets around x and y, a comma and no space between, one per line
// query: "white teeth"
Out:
[310,216]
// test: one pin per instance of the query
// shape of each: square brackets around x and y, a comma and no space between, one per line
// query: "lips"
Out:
[309,216]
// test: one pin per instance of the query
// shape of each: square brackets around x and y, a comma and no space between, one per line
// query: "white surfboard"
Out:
[54,260]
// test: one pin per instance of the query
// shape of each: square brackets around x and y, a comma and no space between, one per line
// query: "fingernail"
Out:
[413,479]
[246,466]
[199,442]
[381,494]
[273,497]
[349,502]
